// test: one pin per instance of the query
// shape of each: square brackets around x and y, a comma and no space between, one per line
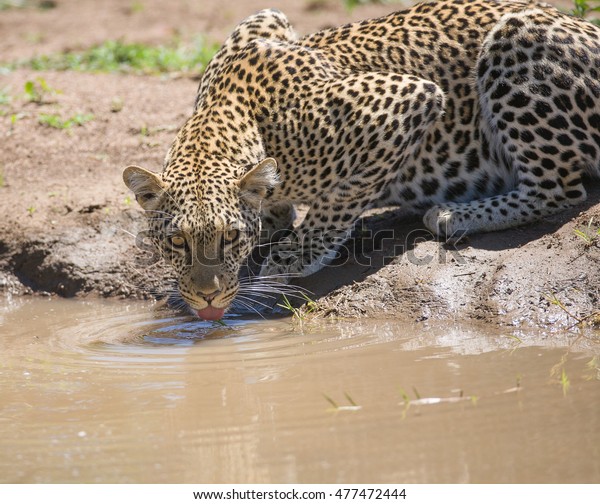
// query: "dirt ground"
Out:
[68,223]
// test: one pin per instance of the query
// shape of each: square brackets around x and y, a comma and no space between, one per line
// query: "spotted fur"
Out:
[482,114]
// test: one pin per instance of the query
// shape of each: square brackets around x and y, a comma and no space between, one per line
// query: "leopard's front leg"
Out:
[317,240]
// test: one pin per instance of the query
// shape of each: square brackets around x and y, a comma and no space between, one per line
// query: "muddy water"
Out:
[113,392]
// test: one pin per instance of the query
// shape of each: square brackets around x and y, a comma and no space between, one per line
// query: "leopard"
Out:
[478,115]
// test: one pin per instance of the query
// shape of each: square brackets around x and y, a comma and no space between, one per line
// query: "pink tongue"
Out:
[211,313]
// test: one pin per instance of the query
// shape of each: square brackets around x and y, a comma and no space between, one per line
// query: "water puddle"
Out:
[118,392]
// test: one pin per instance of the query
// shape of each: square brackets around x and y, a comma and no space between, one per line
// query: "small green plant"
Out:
[593,369]
[56,121]
[136,7]
[553,299]
[352,4]
[311,305]
[564,382]
[590,320]
[426,401]
[2,182]
[583,8]
[299,314]
[558,373]
[38,90]
[588,235]
[147,131]
[14,118]
[353,406]
[405,402]
[31,210]
[31,91]
[287,305]
[12,4]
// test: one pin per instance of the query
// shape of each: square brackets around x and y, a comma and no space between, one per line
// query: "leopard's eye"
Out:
[177,241]
[230,235]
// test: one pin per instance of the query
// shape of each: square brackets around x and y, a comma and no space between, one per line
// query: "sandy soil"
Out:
[67,220]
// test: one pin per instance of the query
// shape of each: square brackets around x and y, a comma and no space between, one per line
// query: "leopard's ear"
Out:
[255,184]
[146,186]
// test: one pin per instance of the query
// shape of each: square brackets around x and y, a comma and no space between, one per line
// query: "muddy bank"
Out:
[68,224]
[516,277]
[68,220]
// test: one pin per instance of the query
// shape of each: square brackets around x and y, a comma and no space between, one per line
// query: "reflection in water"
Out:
[114,392]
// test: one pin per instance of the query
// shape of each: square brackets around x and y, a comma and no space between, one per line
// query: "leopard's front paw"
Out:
[445,221]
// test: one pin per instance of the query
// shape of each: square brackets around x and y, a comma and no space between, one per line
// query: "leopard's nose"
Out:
[210,296]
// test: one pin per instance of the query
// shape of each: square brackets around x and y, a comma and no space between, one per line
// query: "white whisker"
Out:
[253,301]
[247,306]
[127,232]
[260,294]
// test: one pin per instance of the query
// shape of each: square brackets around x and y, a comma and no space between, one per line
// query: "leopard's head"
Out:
[204,218]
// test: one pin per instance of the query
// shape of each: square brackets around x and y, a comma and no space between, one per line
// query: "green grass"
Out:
[589,235]
[12,4]
[590,320]
[352,407]
[583,8]
[136,7]
[118,56]
[38,91]
[287,305]
[14,118]
[407,402]
[56,121]
[21,4]
[564,382]
[593,369]
[299,314]
[352,4]
[553,299]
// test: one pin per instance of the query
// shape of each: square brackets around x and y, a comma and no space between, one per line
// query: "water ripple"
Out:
[130,336]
